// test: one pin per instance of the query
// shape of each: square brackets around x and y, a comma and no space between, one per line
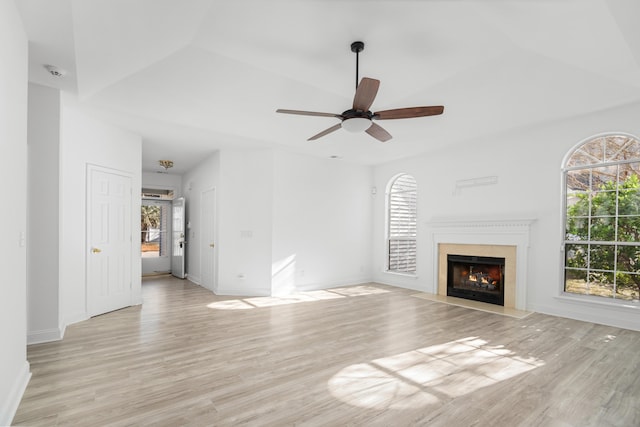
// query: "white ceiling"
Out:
[194,76]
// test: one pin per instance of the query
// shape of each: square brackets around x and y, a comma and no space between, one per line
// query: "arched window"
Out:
[602,218]
[402,225]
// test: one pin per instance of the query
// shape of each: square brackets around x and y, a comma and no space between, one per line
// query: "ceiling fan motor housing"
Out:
[350,114]
[356,120]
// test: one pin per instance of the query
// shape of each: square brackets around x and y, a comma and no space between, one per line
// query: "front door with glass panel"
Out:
[154,239]
[178,241]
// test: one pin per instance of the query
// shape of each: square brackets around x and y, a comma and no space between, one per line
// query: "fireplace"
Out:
[478,278]
[508,239]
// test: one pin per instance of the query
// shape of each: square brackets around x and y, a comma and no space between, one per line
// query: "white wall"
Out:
[245,204]
[84,141]
[321,223]
[285,222]
[527,164]
[204,176]
[242,259]
[43,214]
[14,368]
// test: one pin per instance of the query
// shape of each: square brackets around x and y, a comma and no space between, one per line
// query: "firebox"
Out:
[476,278]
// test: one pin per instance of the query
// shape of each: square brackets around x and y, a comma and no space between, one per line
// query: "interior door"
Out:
[178,241]
[207,242]
[109,240]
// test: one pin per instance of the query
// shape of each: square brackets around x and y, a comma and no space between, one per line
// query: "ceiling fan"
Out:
[359,118]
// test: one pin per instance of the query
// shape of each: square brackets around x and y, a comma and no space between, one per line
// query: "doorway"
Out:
[155,220]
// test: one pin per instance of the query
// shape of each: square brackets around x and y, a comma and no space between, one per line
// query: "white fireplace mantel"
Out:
[508,232]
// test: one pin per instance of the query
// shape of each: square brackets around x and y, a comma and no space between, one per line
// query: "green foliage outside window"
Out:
[603,239]
[150,218]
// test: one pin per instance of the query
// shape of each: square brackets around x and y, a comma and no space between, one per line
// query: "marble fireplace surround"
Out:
[507,239]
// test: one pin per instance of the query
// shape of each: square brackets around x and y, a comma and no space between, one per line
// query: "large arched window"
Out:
[402,225]
[602,218]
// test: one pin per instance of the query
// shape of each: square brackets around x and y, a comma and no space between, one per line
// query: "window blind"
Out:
[402,225]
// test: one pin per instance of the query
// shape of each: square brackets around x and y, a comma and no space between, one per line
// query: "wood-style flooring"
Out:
[368,355]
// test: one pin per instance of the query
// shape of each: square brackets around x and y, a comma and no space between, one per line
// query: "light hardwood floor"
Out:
[359,355]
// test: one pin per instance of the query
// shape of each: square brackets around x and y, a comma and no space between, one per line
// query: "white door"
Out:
[109,240]
[178,240]
[207,249]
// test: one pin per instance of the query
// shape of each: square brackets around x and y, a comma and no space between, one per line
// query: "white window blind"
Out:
[402,225]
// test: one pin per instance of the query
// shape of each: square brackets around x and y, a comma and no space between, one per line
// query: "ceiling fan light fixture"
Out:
[356,124]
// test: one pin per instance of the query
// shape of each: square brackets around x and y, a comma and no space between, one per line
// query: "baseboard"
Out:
[70,320]
[333,284]
[243,292]
[46,335]
[414,285]
[307,287]
[589,314]
[9,407]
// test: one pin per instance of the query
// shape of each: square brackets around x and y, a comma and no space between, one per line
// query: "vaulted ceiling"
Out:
[195,76]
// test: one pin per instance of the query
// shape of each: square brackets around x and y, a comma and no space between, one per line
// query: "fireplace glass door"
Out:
[476,278]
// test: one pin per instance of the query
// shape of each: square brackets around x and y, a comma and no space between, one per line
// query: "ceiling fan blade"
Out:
[407,113]
[325,132]
[365,94]
[309,113]
[378,133]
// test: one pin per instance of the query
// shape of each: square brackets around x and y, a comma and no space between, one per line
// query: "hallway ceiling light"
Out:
[166,164]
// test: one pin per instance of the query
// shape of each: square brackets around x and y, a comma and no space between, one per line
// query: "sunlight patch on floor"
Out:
[309,296]
[428,375]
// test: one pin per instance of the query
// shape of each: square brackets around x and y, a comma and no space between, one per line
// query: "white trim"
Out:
[214,285]
[592,299]
[397,273]
[512,232]
[195,279]
[46,335]
[74,318]
[264,292]
[9,407]
[362,280]
[573,149]
[412,285]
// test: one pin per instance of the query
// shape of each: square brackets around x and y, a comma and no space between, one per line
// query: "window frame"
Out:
[588,241]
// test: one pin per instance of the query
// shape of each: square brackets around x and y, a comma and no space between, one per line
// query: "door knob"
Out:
[96,250]
[211,245]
